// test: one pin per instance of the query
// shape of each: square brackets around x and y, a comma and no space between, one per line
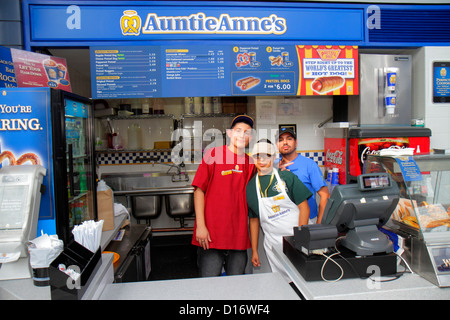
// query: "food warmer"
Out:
[422,217]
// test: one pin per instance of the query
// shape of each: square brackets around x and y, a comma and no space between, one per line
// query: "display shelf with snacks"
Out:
[422,216]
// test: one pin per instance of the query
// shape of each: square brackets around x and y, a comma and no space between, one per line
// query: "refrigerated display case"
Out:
[422,217]
[53,128]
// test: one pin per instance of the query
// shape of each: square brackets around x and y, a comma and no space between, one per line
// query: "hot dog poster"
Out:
[328,70]
[25,134]
[40,70]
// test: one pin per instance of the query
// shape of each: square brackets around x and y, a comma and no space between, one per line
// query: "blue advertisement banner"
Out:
[26,135]
[81,21]
[7,75]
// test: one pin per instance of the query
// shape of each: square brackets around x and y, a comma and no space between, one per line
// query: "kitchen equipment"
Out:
[385,91]
[134,250]
[347,148]
[421,220]
[59,135]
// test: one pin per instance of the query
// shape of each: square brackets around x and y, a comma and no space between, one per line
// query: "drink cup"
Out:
[390,103]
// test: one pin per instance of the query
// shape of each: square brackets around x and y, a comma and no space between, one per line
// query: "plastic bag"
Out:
[44,249]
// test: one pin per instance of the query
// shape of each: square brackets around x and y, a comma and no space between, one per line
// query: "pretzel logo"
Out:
[130,23]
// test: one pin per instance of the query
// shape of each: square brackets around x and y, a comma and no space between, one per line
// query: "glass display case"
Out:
[422,216]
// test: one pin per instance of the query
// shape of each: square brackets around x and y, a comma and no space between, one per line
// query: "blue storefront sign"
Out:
[135,21]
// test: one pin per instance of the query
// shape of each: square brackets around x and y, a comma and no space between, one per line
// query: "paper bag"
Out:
[105,209]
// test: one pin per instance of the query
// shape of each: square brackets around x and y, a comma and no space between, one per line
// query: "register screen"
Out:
[13,202]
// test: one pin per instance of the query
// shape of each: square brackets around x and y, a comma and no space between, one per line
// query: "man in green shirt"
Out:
[277,201]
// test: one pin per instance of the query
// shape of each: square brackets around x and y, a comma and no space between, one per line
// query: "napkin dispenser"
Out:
[312,237]
[83,261]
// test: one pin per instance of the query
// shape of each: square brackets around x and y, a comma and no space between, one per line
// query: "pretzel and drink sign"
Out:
[223,70]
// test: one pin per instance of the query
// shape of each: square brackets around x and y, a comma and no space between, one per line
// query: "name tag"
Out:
[279,197]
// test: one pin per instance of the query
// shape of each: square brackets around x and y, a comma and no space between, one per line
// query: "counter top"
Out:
[263,286]
[407,287]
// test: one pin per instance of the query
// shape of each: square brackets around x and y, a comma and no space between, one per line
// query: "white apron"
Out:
[278,215]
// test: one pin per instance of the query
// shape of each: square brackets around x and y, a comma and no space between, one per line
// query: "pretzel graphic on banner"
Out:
[26,157]
[130,23]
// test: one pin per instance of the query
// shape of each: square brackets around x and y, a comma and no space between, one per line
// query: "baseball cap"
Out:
[242,118]
[286,130]
[264,146]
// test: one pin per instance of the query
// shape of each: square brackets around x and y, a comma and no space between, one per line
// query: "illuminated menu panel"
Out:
[223,70]
[125,72]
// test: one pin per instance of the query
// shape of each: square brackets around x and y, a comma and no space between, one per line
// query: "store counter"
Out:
[263,286]
[407,287]
[24,289]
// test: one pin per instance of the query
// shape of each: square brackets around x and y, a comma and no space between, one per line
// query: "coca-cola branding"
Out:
[334,157]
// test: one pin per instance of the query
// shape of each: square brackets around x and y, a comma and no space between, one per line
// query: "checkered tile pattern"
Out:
[119,158]
[317,155]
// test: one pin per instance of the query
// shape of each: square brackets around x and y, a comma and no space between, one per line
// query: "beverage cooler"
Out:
[378,118]
[347,149]
[53,128]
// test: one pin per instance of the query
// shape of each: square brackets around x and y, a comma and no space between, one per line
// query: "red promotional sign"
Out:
[328,70]
[336,156]
[39,70]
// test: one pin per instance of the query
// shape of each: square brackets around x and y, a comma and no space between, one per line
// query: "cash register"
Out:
[349,233]
[20,197]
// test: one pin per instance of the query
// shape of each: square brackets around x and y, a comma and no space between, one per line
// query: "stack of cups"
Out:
[334,178]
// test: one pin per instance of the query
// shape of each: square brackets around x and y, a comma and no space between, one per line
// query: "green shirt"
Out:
[295,189]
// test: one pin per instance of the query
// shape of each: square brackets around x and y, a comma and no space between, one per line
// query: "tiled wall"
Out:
[129,158]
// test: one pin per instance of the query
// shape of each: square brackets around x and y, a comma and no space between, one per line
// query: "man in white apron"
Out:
[277,201]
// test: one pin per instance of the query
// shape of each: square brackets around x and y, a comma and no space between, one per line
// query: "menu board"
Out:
[126,72]
[223,70]
[191,71]
[264,70]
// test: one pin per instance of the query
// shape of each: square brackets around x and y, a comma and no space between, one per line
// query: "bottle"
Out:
[189,105]
[134,137]
[145,106]
[82,172]
[158,106]
[136,107]
[217,105]
[198,105]
[329,172]
[334,178]
[81,139]
[207,106]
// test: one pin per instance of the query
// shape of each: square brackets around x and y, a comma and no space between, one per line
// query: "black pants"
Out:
[211,261]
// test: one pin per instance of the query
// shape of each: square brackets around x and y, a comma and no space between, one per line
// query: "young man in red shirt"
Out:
[221,223]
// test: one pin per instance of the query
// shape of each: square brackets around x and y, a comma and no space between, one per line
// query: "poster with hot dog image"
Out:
[328,70]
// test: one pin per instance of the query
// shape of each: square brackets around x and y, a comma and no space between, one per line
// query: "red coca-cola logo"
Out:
[334,157]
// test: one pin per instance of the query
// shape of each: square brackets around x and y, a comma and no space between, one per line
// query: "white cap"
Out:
[263,147]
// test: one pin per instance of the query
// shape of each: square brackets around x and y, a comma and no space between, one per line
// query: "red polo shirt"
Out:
[223,177]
